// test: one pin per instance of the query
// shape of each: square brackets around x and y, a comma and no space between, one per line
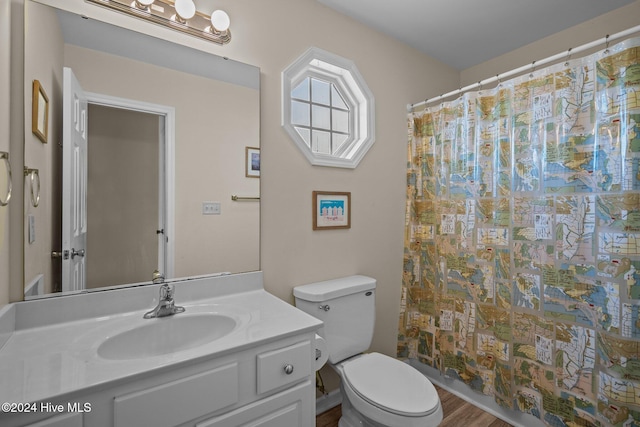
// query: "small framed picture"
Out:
[252,162]
[40,112]
[331,210]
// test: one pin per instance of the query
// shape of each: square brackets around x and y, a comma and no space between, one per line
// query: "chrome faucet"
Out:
[166,306]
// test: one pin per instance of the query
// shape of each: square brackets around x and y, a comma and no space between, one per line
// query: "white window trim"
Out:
[345,75]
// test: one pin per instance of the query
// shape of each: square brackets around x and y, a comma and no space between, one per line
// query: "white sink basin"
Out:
[166,335]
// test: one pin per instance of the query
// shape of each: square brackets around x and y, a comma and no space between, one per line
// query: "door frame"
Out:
[167,164]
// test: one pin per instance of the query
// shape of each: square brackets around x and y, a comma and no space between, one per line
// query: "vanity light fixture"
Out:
[185,10]
[180,15]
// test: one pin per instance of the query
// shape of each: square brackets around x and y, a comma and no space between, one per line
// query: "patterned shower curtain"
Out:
[522,241]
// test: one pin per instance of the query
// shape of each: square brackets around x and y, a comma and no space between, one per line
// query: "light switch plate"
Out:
[32,229]
[211,208]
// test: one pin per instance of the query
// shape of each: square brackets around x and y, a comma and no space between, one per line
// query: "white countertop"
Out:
[42,360]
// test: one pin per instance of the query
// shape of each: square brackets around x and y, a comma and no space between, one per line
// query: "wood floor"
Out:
[457,412]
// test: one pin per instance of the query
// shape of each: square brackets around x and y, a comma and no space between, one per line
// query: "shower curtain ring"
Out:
[566,64]
[533,69]
[606,43]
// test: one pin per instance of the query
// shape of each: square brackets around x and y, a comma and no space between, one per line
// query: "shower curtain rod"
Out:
[605,40]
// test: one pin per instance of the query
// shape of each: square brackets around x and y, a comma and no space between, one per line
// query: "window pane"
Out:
[336,99]
[302,90]
[321,142]
[320,92]
[338,140]
[305,134]
[340,121]
[321,117]
[300,113]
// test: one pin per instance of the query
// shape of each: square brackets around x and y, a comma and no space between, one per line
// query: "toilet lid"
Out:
[391,385]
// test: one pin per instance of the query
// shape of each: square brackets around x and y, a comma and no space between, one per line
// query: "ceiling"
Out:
[464,33]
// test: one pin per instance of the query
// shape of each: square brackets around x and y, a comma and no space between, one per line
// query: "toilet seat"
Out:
[391,385]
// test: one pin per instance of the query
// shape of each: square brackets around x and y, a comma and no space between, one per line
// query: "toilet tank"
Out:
[347,308]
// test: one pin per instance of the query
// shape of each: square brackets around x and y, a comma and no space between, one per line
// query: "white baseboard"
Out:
[328,401]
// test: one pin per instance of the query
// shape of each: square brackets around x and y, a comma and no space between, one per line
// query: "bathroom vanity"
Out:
[237,356]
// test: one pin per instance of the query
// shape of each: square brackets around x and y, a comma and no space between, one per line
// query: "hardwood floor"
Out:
[329,418]
[457,412]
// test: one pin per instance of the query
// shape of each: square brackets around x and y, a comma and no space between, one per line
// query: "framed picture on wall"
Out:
[252,162]
[331,210]
[40,112]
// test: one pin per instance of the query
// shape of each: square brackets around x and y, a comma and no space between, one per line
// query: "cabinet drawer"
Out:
[283,366]
[178,401]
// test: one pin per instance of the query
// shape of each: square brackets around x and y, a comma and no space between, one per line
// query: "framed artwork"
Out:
[331,210]
[252,162]
[40,112]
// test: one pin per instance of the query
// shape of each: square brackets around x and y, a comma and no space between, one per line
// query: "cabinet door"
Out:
[287,416]
[291,408]
[177,402]
[65,420]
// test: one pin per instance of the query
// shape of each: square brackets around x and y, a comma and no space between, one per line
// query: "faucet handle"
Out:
[157,277]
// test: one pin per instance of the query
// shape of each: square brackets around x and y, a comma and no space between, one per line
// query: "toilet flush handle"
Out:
[324,307]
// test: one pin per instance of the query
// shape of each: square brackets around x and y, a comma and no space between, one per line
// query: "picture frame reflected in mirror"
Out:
[252,162]
[40,112]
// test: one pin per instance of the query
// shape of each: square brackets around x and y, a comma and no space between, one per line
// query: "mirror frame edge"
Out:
[16,147]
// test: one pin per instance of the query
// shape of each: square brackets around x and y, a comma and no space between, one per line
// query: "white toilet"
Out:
[377,390]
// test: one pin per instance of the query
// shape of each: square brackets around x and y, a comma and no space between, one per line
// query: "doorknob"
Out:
[75,253]
[63,254]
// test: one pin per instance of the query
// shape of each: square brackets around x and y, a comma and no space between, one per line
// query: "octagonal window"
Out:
[327,109]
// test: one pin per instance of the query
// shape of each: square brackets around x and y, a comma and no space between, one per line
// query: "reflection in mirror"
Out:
[145,191]
[119,215]
[6,177]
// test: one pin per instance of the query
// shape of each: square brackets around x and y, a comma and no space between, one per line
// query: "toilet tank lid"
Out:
[329,289]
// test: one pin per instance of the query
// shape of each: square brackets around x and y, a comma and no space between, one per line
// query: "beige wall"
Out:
[292,253]
[45,38]
[610,23]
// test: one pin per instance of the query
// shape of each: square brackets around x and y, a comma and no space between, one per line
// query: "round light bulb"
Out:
[185,9]
[143,4]
[220,21]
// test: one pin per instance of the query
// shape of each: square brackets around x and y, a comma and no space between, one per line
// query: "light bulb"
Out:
[143,4]
[220,21]
[185,9]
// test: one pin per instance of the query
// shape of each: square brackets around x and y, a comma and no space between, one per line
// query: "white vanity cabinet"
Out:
[262,373]
[271,385]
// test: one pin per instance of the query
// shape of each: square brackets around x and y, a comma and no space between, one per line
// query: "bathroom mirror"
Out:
[162,204]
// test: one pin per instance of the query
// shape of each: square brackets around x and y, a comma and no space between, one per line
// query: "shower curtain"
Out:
[522,241]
